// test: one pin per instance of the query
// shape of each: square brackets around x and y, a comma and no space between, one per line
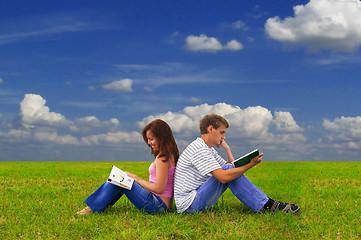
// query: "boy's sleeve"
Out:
[219,159]
[204,162]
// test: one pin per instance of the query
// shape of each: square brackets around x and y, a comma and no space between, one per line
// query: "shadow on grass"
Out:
[218,208]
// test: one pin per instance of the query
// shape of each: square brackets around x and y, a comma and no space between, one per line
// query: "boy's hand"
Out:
[257,159]
[223,144]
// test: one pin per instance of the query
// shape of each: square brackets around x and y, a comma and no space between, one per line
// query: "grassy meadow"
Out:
[38,200]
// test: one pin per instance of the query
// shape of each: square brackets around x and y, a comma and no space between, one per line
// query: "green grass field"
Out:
[39,201]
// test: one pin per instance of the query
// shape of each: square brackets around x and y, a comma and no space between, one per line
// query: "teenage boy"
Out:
[202,175]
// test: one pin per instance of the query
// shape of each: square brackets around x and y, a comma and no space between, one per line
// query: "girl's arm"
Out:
[161,177]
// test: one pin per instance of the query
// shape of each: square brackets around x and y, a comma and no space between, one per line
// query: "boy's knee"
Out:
[228,166]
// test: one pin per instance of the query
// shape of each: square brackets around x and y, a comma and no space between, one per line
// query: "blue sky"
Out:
[80,79]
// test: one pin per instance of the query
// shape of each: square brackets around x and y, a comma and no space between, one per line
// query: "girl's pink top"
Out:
[168,192]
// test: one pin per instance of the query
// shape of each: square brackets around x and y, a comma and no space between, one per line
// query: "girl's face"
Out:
[152,140]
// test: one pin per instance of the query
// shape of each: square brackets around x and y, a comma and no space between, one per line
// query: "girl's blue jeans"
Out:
[242,188]
[107,194]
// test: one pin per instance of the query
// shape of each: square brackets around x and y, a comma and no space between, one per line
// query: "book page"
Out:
[120,178]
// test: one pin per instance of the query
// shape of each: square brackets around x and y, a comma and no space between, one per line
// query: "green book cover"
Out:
[245,159]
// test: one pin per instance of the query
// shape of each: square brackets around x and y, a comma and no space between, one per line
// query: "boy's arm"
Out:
[224,145]
[225,176]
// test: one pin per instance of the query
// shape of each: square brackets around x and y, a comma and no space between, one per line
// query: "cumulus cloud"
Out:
[14,135]
[52,136]
[284,121]
[179,122]
[320,24]
[38,123]
[344,132]
[124,85]
[34,111]
[113,138]
[39,135]
[276,133]
[91,123]
[251,122]
[210,44]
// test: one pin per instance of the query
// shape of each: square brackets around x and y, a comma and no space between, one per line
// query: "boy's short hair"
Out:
[212,119]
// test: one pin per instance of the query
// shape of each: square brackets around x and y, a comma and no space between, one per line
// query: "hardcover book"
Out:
[245,159]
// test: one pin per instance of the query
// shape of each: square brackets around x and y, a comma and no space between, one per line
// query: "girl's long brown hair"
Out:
[163,133]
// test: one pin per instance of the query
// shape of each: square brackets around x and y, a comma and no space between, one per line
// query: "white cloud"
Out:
[251,127]
[352,125]
[285,122]
[277,134]
[1,81]
[233,45]
[179,122]
[42,125]
[39,135]
[320,24]
[194,100]
[148,89]
[187,121]
[16,134]
[34,111]
[251,122]
[250,39]
[344,132]
[113,138]
[210,44]
[8,38]
[95,122]
[91,123]
[91,88]
[52,136]
[240,25]
[41,26]
[124,85]
[172,73]
[86,104]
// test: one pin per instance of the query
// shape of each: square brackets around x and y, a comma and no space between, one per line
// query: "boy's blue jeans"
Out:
[107,194]
[209,192]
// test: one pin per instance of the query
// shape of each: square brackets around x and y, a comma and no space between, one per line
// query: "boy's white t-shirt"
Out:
[194,168]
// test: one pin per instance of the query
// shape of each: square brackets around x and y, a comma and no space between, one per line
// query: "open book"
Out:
[245,159]
[120,178]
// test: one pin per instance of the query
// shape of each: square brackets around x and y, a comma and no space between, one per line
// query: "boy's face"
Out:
[217,135]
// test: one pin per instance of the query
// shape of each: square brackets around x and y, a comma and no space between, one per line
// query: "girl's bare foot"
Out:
[84,211]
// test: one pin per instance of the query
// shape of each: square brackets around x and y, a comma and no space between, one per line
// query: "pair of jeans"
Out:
[209,192]
[107,194]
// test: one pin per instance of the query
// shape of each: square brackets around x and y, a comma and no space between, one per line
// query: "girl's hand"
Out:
[135,177]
